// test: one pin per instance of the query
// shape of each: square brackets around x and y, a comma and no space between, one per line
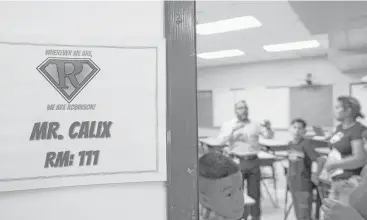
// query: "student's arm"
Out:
[310,151]
[314,157]
[320,166]
[320,163]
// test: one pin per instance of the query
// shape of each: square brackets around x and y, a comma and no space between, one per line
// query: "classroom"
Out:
[288,60]
[189,110]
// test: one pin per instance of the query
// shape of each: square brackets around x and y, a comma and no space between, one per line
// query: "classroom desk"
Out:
[208,132]
[322,150]
[274,145]
[210,142]
[208,145]
[319,138]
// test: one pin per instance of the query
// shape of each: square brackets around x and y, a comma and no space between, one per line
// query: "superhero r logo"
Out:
[68,75]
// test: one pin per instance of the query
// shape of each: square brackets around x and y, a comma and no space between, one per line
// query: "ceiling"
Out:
[280,24]
[328,17]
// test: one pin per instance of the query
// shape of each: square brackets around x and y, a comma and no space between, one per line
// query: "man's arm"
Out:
[265,130]
[255,131]
[225,134]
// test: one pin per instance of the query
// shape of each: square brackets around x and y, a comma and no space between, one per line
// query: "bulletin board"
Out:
[359,91]
[314,104]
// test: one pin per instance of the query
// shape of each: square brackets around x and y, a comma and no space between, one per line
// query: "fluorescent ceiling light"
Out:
[221,54]
[292,46]
[233,24]
[364,79]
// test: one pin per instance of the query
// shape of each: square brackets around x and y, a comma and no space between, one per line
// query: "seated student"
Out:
[220,188]
[301,154]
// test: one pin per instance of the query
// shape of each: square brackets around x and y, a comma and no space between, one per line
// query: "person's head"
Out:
[221,185]
[241,110]
[347,108]
[298,128]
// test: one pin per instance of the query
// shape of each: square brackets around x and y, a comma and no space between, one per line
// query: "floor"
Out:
[268,210]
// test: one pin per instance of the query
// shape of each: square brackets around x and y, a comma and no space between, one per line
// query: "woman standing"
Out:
[347,141]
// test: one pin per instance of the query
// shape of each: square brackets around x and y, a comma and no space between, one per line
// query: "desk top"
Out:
[211,141]
[265,155]
[273,142]
[323,150]
[238,151]
[208,132]
[282,142]
[319,138]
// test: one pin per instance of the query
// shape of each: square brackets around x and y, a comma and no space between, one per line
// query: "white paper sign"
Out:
[78,115]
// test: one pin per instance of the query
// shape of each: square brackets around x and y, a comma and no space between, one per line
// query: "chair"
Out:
[249,201]
[269,162]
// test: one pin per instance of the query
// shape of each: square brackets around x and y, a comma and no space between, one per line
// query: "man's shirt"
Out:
[246,137]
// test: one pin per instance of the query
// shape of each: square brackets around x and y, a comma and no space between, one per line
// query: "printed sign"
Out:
[77,115]
[68,76]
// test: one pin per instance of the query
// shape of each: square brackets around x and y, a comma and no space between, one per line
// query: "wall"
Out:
[70,21]
[276,73]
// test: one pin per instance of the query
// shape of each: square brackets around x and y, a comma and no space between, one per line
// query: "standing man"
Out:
[244,133]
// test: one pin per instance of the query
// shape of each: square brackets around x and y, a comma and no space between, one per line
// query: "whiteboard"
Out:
[205,108]
[267,103]
[313,104]
[359,91]
[223,106]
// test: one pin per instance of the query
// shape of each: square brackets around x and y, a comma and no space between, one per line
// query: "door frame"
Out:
[182,127]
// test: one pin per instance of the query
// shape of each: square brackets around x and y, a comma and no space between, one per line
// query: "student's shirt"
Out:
[300,156]
[341,140]
[247,137]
